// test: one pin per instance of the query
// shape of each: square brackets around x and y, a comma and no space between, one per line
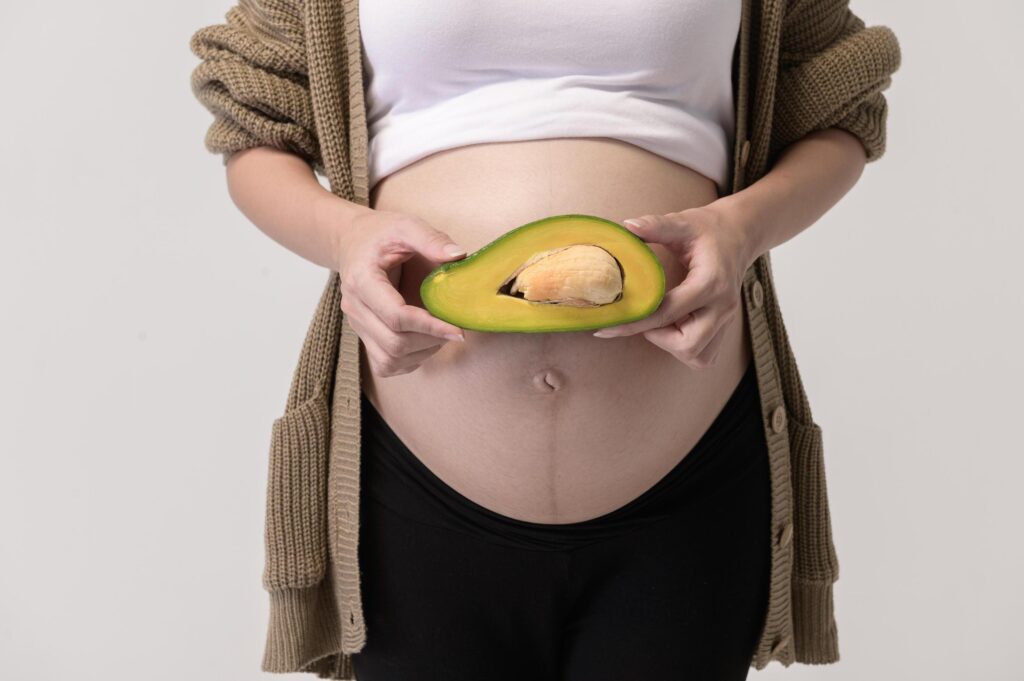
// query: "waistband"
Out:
[392,475]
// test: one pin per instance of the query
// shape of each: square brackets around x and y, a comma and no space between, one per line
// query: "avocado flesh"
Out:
[479,292]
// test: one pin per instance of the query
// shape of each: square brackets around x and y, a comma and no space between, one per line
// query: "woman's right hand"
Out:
[398,337]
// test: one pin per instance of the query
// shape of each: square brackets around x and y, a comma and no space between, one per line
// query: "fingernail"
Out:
[454,337]
[451,250]
[604,334]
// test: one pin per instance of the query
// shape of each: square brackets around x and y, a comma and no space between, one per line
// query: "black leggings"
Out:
[671,586]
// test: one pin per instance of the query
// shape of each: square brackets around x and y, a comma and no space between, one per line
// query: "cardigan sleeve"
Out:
[832,72]
[253,78]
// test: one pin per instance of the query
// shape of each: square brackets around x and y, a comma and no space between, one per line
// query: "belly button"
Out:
[548,380]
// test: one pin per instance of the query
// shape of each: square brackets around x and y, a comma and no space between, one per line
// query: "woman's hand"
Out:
[692,319]
[398,336]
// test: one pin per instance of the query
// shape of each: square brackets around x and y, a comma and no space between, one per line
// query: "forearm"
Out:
[281,195]
[808,178]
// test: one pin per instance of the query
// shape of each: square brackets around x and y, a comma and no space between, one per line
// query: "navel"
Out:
[548,380]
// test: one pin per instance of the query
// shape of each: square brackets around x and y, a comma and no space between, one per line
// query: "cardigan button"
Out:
[757,292]
[779,645]
[787,535]
[779,419]
[744,153]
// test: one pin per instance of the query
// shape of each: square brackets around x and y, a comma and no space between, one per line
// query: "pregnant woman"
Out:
[552,506]
[518,497]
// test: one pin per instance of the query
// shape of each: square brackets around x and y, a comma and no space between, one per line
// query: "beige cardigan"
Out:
[288,74]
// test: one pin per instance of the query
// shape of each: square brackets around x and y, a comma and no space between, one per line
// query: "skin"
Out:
[547,427]
[807,180]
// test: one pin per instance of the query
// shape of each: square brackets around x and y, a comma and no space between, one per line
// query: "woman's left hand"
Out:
[715,252]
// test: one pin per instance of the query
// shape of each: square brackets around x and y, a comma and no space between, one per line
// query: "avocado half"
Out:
[561,273]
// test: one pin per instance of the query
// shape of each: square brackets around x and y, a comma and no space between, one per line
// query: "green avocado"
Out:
[561,273]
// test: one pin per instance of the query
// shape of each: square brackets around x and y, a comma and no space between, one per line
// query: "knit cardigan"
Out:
[289,74]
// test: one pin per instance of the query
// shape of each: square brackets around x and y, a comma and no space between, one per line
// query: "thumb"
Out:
[452,250]
[653,229]
[432,243]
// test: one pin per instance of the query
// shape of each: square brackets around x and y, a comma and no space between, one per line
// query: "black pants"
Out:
[671,586]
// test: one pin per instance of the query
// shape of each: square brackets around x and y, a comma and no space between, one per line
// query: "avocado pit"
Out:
[578,275]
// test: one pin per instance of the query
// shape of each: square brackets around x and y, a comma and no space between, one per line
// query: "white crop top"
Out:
[654,73]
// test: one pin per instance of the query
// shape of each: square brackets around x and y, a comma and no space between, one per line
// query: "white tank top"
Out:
[447,73]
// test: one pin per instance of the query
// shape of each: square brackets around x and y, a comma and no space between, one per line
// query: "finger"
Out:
[665,337]
[431,243]
[686,344]
[391,343]
[709,355]
[382,361]
[724,315]
[380,296]
[659,229]
[385,365]
[679,301]
[700,329]
[694,331]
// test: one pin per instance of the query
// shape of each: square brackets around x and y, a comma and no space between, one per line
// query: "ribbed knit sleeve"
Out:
[832,72]
[253,78]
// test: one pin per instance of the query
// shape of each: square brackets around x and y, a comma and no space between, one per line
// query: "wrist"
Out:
[739,216]
[334,216]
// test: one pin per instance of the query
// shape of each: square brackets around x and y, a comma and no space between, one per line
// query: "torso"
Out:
[549,427]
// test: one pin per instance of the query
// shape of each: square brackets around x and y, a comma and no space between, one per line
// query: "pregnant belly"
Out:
[549,427]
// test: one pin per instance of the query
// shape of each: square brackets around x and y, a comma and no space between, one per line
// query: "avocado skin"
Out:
[562,319]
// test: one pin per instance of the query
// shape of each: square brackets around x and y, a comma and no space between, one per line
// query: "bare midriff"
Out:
[549,427]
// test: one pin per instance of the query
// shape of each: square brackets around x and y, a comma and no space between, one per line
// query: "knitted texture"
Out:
[289,74]
[253,77]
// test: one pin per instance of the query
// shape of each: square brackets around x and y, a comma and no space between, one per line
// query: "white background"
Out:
[149,332]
